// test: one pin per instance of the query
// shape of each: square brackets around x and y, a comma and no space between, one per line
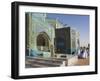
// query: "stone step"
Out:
[29,64]
[56,60]
[49,60]
[44,63]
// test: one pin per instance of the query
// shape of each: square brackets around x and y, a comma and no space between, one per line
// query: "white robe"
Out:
[79,52]
[85,54]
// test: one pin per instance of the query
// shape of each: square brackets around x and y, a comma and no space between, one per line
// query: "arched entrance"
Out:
[43,42]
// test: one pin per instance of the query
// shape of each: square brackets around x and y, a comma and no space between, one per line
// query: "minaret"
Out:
[56,22]
[45,15]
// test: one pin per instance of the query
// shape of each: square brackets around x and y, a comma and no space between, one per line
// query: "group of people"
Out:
[83,52]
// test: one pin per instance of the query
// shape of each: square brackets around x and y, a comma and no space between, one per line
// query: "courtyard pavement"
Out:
[83,61]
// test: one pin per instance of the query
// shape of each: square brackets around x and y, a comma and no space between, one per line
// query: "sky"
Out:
[78,22]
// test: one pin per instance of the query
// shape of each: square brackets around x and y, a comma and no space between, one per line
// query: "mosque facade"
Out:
[48,37]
